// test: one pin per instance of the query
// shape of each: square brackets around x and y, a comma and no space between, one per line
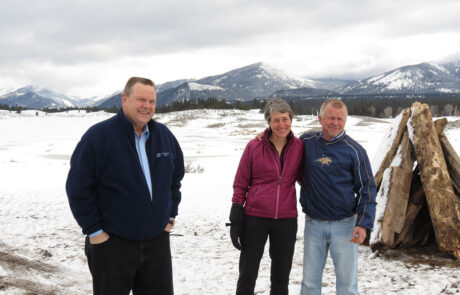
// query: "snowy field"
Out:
[41,246]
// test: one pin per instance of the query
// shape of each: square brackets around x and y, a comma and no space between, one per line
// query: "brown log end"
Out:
[439,125]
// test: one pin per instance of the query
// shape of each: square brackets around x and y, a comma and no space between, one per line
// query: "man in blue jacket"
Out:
[123,190]
[338,199]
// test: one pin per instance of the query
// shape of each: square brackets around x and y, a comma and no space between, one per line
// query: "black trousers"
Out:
[282,234]
[119,266]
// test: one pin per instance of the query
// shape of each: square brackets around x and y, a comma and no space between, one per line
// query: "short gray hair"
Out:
[335,103]
[277,105]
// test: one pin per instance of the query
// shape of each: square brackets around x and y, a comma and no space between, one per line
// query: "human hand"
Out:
[359,235]
[260,136]
[236,225]
[168,227]
[235,234]
[99,239]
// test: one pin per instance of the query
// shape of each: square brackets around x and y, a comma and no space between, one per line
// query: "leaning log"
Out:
[452,158]
[444,207]
[399,178]
[394,135]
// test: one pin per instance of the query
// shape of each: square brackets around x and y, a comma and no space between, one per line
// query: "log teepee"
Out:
[418,183]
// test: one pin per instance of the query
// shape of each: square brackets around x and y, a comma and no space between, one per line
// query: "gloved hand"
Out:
[236,224]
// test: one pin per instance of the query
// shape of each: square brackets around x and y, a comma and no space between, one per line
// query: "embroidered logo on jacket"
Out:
[162,154]
[324,161]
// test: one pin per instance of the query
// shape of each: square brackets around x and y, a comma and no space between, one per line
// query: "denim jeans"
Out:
[334,236]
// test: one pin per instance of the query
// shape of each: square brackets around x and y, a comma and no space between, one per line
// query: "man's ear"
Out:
[123,98]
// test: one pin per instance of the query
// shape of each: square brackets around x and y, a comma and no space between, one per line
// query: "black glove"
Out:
[236,224]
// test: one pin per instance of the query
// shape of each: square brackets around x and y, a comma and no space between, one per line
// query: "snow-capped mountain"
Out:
[260,80]
[38,98]
[424,78]
[257,80]
[453,68]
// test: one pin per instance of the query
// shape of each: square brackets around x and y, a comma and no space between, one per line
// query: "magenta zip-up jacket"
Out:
[261,185]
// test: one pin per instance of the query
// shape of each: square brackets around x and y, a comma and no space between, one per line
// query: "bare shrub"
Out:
[190,167]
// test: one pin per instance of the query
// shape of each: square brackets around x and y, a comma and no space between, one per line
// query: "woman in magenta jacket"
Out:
[264,200]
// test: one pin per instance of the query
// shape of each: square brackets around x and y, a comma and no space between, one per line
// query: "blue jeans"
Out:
[320,237]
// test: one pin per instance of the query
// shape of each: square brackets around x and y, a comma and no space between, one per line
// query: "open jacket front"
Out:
[262,185]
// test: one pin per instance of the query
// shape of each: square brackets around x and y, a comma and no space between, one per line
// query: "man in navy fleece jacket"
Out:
[123,190]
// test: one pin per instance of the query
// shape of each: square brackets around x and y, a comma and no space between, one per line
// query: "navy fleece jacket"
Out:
[337,181]
[106,187]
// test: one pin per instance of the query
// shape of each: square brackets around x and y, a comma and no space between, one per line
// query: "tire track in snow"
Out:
[21,273]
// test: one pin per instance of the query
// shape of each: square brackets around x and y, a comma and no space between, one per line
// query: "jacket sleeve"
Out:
[242,178]
[81,186]
[365,190]
[178,175]
[300,172]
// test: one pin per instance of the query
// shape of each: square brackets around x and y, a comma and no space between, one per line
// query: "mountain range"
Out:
[34,97]
[260,80]
[424,78]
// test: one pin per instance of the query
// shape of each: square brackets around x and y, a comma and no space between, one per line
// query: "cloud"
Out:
[89,41]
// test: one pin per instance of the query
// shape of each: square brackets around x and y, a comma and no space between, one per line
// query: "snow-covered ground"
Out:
[41,246]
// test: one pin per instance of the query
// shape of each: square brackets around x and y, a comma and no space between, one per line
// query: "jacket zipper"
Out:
[151,164]
[277,197]
[254,198]
[280,176]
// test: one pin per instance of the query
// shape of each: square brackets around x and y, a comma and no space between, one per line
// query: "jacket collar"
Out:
[128,126]
[268,132]
[335,139]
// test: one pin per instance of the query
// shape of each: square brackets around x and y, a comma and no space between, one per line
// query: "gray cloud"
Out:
[84,33]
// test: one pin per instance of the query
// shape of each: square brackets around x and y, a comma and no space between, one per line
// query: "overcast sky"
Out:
[91,47]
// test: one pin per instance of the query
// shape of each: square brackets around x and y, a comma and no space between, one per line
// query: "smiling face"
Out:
[280,124]
[332,121]
[139,106]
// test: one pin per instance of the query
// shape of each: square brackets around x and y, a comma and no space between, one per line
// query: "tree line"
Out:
[380,106]
[383,106]
[209,103]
